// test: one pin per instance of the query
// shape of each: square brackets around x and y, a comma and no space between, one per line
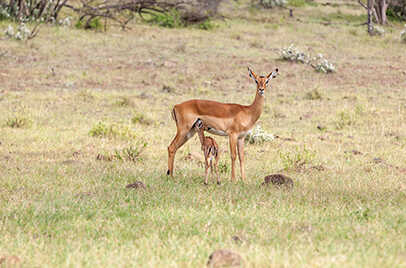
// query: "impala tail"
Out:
[173,113]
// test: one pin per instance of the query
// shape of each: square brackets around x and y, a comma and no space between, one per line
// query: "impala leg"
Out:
[207,169]
[233,153]
[240,147]
[180,139]
[211,167]
[217,170]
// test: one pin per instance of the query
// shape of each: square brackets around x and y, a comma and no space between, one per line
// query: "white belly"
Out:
[217,132]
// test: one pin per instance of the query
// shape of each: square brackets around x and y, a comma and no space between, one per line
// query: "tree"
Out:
[377,9]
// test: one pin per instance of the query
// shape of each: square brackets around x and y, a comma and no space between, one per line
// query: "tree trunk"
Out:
[380,7]
[370,4]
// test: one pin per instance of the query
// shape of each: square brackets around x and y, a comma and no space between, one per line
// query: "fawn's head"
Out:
[262,81]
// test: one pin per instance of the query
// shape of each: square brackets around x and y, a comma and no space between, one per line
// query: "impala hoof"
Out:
[168,172]
[218,183]
[205,183]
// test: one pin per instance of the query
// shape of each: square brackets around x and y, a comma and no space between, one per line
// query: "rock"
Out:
[278,180]
[224,258]
[136,185]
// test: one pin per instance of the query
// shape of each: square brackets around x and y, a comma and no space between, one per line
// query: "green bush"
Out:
[93,24]
[301,3]
[298,159]
[171,19]
[131,153]
[207,25]
[18,121]
[141,119]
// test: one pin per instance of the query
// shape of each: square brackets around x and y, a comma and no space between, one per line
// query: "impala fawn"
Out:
[210,150]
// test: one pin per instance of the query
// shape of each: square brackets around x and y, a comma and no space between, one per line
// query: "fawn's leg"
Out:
[217,169]
[207,169]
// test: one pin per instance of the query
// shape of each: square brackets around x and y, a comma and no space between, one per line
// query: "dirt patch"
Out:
[278,180]
[10,261]
[225,258]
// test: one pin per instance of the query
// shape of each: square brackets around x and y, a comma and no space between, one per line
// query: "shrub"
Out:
[207,25]
[319,63]
[292,53]
[103,130]
[258,136]
[131,153]
[301,3]
[377,30]
[18,121]
[141,119]
[223,167]
[92,24]
[403,35]
[313,95]
[171,19]
[124,101]
[4,14]
[21,32]
[272,3]
[298,159]
[344,119]
[322,65]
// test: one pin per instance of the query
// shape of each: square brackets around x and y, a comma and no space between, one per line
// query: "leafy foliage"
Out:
[292,53]
[319,63]
[18,121]
[322,65]
[403,35]
[258,136]
[272,3]
[297,159]
[21,32]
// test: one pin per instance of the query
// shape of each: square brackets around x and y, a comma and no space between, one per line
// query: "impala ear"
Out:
[271,75]
[252,75]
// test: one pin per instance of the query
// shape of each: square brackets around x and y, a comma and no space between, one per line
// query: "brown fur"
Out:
[210,150]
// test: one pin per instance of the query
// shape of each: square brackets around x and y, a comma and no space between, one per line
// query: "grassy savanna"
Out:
[78,107]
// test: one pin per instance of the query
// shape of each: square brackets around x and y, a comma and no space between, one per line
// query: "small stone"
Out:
[224,258]
[136,185]
[278,180]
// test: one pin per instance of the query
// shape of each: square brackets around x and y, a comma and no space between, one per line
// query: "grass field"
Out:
[83,114]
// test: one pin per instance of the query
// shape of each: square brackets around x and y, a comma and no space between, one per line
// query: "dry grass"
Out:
[60,206]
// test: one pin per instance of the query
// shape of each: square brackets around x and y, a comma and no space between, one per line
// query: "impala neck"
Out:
[257,107]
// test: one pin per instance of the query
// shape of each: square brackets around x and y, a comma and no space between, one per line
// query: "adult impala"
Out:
[224,119]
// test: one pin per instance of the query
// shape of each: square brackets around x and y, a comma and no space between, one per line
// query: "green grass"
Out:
[62,207]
